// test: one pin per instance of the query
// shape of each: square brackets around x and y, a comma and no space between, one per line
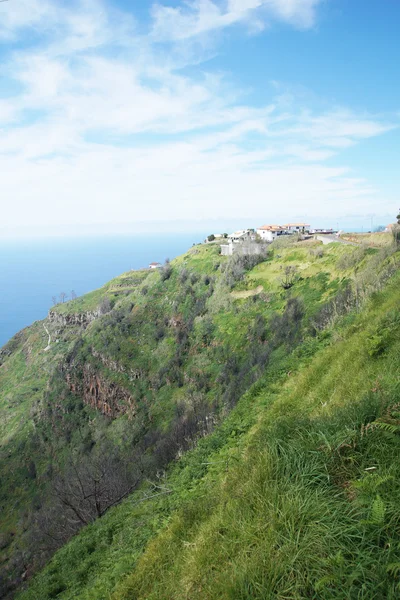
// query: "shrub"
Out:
[396,232]
[166,271]
[351,259]
[317,252]
[105,305]
[289,276]
[183,275]
[286,327]
[236,266]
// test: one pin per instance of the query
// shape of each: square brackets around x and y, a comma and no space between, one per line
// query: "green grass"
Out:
[297,513]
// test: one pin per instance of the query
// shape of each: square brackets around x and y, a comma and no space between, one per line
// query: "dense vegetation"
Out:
[233,421]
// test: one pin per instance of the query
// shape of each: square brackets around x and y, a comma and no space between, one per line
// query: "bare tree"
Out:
[73,295]
[88,489]
[63,297]
[54,300]
[82,493]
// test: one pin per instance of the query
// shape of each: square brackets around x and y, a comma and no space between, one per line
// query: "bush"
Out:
[183,275]
[289,277]
[351,259]
[105,305]
[166,271]
[236,266]
[286,328]
[396,233]
[317,252]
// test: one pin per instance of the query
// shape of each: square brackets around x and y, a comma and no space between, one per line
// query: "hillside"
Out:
[216,429]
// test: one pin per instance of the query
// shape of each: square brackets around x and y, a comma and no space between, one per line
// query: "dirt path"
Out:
[247,293]
[49,342]
[331,239]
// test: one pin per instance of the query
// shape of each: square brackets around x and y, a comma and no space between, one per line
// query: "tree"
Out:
[73,295]
[63,297]
[379,229]
[211,237]
[83,492]
[54,300]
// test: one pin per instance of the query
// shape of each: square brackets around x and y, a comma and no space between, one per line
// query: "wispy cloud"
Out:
[100,121]
[199,17]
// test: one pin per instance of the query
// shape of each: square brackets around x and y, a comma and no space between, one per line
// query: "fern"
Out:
[391,428]
[378,511]
[370,483]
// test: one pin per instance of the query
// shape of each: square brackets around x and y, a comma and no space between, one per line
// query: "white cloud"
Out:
[101,126]
[197,17]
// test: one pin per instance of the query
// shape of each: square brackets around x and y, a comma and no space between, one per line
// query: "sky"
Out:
[176,114]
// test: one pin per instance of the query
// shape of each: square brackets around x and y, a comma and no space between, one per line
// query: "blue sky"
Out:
[118,114]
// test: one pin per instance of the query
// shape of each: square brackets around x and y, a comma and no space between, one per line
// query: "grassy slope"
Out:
[308,505]
[295,495]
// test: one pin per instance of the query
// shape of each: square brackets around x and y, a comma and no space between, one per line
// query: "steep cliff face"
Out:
[106,396]
[70,319]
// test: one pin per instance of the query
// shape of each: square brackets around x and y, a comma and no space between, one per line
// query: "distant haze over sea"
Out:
[32,271]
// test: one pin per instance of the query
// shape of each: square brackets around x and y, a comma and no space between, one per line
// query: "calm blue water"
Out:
[31,272]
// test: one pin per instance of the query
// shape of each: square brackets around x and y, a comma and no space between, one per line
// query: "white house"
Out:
[270,232]
[239,241]
[243,235]
[297,227]
[155,265]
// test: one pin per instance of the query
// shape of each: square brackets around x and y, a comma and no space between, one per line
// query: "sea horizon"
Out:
[35,270]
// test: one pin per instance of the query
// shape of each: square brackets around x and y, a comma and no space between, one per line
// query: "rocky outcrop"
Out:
[106,396]
[113,365]
[72,319]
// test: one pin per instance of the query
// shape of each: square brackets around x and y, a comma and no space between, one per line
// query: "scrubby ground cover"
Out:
[185,350]
[375,240]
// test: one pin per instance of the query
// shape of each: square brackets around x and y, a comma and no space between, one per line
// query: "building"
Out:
[269,233]
[323,231]
[155,265]
[297,227]
[243,235]
[241,242]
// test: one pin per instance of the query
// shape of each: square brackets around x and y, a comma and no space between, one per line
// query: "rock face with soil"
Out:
[105,396]
[70,319]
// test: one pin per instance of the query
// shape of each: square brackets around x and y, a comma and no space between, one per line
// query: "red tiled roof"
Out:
[271,227]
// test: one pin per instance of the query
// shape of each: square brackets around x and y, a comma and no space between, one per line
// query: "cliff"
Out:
[206,406]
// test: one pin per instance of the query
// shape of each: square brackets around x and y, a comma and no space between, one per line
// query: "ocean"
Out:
[32,271]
